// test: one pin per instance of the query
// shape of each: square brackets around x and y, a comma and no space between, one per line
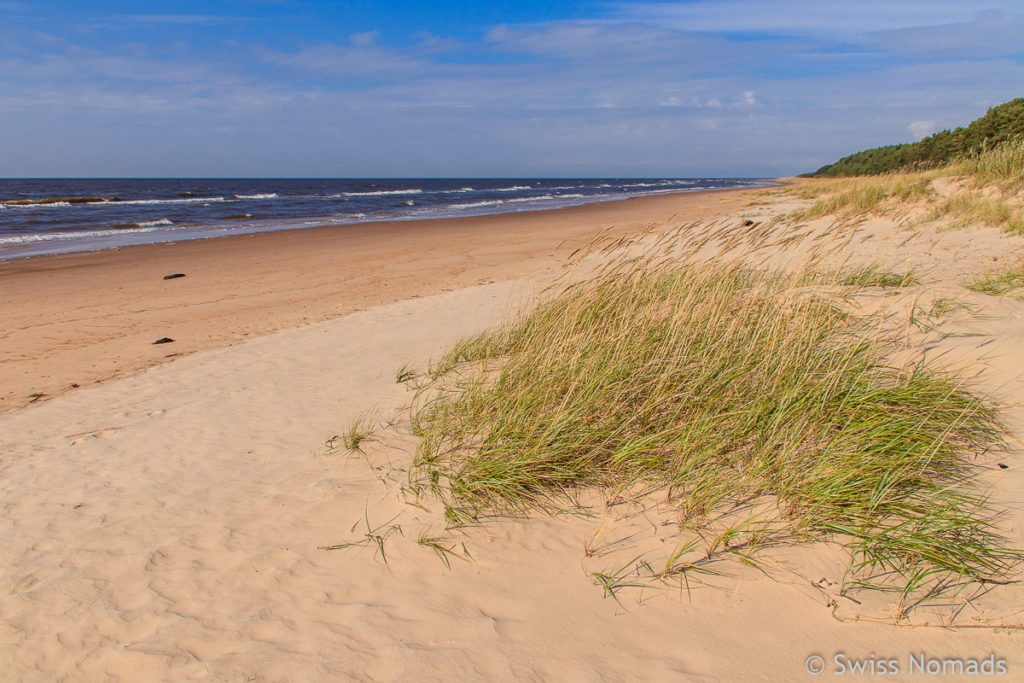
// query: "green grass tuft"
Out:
[990,181]
[874,194]
[974,207]
[1009,281]
[404,374]
[443,548]
[874,276]
[1002,166]
[375,536]
[727,388]
[359,431]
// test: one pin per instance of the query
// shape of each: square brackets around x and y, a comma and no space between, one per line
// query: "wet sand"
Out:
[79,319]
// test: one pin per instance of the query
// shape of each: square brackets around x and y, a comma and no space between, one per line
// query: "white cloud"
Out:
[921,129]
[650,94]
[362,60]
[989,34]
[195,19]
[364,39]
[584,40]
[834,17]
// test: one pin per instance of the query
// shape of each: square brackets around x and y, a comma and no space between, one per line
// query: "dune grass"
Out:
[1009,281]
[1002,166]
[875,276]
[969,207]
[358,432]
[991,181]
[737,393]
[847,197]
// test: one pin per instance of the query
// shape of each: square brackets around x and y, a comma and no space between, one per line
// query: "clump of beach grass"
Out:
[848,197]
[730,389]
[443,548]
[1008,281]
[875,276]
[352,439]
[990,182]
[969,207]
[1002,166]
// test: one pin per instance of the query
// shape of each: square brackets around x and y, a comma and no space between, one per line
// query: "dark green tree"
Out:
[999,124]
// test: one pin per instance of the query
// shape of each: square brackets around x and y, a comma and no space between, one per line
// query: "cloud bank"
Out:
[735,88]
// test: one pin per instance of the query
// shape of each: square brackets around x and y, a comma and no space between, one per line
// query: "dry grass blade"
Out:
[611,583]
[444,549]
[373,536]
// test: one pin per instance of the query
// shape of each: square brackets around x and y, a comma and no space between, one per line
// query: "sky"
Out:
[319,88]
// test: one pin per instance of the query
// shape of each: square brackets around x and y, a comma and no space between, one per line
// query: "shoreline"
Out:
[120,230]
[83,318]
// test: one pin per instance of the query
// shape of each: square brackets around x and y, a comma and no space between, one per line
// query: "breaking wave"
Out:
[379,193]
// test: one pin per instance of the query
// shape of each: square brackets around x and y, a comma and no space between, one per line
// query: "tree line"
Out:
[999,124]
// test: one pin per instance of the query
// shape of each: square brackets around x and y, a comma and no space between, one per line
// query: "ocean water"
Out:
[49,216]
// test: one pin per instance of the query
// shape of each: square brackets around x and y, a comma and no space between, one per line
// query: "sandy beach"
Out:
[77,319]
[165,506]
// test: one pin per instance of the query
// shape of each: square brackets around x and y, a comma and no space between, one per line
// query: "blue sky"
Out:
[404,89]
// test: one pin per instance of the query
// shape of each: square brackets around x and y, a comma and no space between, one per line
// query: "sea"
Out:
[52,216]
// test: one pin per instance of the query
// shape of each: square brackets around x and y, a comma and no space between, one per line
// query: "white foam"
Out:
[189,200]
[65,236]
[268,195]
[379,193]
[153,224]
[340,219]
[531,199]
[40,206]
[473,205]
[513,188]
